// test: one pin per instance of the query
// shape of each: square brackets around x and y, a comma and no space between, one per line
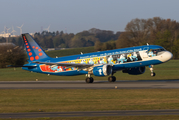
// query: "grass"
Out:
[164,117]
[165,71]
[49,100]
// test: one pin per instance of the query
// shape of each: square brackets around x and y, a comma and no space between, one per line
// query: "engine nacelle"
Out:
[135,71]
[103,70]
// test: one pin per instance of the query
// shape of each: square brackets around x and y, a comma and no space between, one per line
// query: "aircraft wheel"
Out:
[89,80]
[152,74]
[111,78]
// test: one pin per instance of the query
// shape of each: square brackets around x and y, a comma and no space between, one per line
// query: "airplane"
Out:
[132,60]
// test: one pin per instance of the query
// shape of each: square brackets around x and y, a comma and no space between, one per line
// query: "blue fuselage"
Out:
[119,59]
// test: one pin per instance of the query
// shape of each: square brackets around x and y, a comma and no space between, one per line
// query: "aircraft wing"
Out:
[66,64]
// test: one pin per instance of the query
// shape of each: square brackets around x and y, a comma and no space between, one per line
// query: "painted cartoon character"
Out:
[150,53]
[118,60]
[54,68]
[155,53]
[57,68]
[122,59]
[103,60]
[130,57]
[91,61]
[134,57]
[110,60]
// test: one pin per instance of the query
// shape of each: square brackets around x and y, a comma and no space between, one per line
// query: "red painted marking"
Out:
[33,47]
[42,67]
[47,68]
[40,54]
[62,69]
[36,57]
[28,50]
[24,37]
[40,50]
[27,46]
[31,58]
[30,54]
[25,41]
[36,48]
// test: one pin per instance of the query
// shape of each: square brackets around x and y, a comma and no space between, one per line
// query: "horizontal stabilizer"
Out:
[20,66]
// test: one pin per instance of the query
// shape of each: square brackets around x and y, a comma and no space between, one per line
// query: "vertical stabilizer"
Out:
[34,51]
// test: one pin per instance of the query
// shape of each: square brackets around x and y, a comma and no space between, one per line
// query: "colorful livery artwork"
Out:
[130,60]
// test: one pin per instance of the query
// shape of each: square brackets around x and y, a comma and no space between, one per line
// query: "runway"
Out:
[89,113]
[138,84]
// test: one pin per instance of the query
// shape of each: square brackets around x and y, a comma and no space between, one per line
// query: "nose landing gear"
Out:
[152,74]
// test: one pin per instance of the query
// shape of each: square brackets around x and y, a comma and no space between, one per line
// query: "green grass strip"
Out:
[50,100]
[164,117]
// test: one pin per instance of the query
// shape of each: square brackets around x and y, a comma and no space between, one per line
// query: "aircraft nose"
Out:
[167,56]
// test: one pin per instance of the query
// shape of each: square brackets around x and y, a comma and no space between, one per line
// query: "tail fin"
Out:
[34,51]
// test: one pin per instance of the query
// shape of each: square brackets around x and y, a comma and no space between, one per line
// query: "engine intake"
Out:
[103,70]
[135,71]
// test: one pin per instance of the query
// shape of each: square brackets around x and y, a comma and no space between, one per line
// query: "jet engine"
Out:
[103,70]
[135,71]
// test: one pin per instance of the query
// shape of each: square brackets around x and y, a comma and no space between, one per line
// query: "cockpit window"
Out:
[162,49]
[155,52]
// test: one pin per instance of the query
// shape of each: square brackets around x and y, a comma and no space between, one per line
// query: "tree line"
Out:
[64,40]
[82,39]
[11,55]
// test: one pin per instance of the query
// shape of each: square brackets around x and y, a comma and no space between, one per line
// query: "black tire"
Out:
[89,80]
[111,78]
[114,78]
[152,74]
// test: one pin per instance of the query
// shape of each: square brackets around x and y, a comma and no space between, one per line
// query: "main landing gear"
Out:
[152,74]
[111,78]
[89,79]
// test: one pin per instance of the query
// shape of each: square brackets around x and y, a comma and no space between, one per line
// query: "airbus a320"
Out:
[132,60]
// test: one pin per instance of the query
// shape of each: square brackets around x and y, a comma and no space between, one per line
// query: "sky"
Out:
[73,16]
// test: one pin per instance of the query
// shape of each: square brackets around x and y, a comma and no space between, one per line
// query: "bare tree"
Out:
[11,55]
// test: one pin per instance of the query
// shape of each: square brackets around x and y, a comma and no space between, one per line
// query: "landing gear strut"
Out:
[89,79]
[152,74]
